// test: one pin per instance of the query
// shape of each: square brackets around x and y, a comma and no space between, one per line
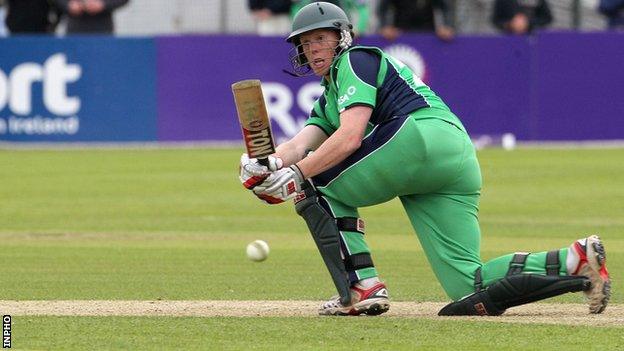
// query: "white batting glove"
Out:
[282,185]
[275,163]
[253,173]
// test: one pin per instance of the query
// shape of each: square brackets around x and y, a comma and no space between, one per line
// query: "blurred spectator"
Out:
[357,10]
[473,16]
[397,16]
[31,16]
[521,16]
[3,28]
[89,16]
[272,16]
[614,10]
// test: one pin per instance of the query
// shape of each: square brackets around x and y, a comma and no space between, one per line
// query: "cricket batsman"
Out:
[378,132]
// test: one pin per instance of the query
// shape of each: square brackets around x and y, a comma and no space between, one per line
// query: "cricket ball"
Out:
[258,250]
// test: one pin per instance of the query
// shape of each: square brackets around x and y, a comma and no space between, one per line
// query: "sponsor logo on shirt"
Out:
[344,98]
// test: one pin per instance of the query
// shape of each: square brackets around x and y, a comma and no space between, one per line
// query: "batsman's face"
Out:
[319,48]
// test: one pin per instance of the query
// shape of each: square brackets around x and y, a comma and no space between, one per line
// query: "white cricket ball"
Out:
[258,250]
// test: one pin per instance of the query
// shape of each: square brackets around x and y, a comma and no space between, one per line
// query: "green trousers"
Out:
[428,161]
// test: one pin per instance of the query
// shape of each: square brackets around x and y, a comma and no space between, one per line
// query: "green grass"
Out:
[317,333]
[173,224]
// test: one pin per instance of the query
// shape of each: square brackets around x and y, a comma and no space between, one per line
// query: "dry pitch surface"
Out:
[569,314]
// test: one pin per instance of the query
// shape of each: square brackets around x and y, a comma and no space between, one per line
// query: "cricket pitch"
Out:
[543,313]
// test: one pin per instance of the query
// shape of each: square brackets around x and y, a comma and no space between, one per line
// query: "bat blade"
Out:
[254,119]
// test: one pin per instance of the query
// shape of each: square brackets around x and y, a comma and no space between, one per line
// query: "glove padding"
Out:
[280,186]
[253,173]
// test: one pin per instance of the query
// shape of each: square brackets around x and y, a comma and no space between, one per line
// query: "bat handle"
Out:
[264,161]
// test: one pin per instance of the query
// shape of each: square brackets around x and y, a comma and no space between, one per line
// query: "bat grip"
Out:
[264,161]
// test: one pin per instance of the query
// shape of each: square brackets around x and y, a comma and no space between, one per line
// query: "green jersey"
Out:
[370,77]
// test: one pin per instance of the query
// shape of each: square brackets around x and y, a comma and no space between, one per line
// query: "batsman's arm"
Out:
[342,143]
[332,150]
[295,149]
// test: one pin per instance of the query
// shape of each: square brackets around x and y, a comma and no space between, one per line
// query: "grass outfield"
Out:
[133,333]
[172,225]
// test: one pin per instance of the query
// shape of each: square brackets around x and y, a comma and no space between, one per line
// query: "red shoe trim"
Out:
[603,271]
[582,256]
[365,294]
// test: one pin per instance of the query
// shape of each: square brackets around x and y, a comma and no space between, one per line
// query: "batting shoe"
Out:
[372,301]
[593,265]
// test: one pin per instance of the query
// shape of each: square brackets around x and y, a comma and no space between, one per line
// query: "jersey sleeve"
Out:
[356,81]
[317,118]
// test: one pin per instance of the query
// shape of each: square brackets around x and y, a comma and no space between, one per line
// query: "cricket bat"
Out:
[254,120]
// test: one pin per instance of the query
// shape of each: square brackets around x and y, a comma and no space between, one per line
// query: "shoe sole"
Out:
[601,257]
[373,307]
[377,308]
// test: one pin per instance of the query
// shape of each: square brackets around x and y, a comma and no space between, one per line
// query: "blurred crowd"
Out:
[389,18]
[434,16]
[43,16]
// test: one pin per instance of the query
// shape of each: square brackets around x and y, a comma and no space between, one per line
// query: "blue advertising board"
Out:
[77,89]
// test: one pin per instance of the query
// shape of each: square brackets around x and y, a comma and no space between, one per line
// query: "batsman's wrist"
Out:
[298,172]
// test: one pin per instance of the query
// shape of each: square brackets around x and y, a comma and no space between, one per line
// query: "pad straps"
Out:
[478,280]
[350,224]
[358,260]
[553,265]
[552,262]
[517,263]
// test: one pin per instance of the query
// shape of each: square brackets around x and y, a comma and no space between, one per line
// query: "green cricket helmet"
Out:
[318,15]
